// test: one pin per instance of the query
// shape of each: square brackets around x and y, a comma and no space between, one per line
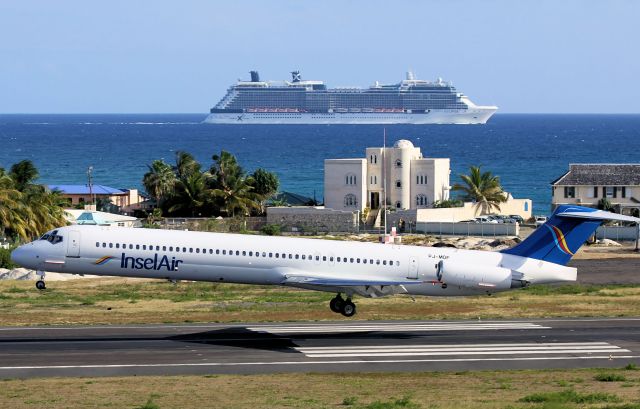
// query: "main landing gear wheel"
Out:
[348,308]
[336,304]
[40,285]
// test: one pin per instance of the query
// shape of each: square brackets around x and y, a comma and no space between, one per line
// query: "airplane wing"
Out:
[342,281]
[365,286]
[596,215]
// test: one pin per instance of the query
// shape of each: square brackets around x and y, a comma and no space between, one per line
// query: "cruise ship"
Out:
[411,101]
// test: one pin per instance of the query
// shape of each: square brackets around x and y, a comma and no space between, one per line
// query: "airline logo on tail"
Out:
[103,260]
[558,237]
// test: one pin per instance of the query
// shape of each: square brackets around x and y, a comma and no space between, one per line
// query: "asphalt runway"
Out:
[344,346]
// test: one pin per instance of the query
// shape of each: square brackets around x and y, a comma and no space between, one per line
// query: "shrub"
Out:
[609,377]
[5,259]
[271,229]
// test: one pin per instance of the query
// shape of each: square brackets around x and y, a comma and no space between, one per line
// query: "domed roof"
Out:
[403,143]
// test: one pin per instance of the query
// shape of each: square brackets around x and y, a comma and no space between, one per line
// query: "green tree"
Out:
[483,188]
[159,181]
[605,204]
[27,209]
[265,183]
[230,187]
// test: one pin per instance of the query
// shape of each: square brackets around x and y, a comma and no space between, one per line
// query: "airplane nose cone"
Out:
[19,256]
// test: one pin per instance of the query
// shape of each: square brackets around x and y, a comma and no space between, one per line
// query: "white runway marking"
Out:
[392,327]
[574,348]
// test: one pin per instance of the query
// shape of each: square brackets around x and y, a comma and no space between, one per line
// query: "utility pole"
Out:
[89,171]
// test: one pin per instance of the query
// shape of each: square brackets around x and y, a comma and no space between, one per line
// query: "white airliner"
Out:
[349,268]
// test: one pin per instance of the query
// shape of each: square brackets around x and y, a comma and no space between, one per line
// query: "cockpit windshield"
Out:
[52,237]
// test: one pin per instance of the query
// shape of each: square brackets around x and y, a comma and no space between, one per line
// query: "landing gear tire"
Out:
[348,309]
[336,304]
[40,285]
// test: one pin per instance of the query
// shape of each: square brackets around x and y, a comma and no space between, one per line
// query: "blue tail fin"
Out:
[559,238]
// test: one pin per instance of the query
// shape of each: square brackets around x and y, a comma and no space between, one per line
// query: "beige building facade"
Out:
[587,184]
[412,181]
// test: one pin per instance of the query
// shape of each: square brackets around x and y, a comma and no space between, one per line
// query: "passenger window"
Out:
[358,261]
[244,253]
[303,257]
[317,258]
[170,248]
[117,245]
[351,259]
[137,247]
[157,248]
[384,262]
[324,258]
[364,261]
[397,263]
[378,262]
[130,246]
[310,257]
[110,245]
[224,252]
[270,255]
[197,250]
[177,249]
[277,255]
[264,254]
[210,251]
[297,256]
[97,244]
[184,249]
[251,254]
[237,252]
[330,258]
[338,259]
[290,256]
[284,255]
[217,251]
[190,249]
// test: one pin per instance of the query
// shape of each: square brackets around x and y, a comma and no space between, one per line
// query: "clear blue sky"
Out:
[180,56]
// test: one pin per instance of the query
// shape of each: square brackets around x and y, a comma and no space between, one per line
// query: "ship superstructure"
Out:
[411,101]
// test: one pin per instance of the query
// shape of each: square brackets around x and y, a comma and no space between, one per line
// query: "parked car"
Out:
[517,218]
[505,219]
[469,221]
[486,219]
[540,220]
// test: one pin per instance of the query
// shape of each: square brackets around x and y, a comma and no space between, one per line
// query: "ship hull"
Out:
[476,115]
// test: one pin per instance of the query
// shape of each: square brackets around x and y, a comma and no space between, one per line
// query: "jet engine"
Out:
[474,276]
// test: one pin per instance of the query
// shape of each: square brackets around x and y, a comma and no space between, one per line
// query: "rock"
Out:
[443,244]
[608,243]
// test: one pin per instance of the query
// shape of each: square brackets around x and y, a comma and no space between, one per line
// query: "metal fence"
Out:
[468,229]
[617,233]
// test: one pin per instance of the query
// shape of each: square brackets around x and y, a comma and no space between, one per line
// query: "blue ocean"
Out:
[526,151]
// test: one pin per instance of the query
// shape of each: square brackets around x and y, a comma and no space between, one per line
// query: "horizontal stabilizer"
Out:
[597,215]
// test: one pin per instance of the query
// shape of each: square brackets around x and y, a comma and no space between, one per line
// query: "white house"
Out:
[412,182]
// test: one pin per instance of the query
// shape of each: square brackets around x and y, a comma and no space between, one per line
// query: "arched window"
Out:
[421,179]
[350,200]
[398,205]
[399,184]
[398,163]
[375,159]
[421,200]
[350,179]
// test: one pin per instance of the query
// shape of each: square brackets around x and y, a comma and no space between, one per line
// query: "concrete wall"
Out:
[521,207]
[314,219]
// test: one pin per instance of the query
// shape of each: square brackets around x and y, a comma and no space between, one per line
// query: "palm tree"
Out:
[159,181]
[190,194]
[23,173]
[11,217]
[482,188]
[231,188]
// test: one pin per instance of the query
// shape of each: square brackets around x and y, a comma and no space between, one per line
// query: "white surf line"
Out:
[394,328]
[518,344]
[327,362]
[448,350]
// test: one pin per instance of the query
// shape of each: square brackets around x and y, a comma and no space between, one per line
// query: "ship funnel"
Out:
[296,76]
[255,77]
[410,75]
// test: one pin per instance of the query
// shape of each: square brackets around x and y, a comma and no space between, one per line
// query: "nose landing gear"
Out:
[40,285]
[342,306]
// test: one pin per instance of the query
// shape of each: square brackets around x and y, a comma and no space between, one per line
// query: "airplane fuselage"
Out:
[368,269]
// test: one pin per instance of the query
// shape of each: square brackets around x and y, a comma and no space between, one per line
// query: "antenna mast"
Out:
[384,180]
